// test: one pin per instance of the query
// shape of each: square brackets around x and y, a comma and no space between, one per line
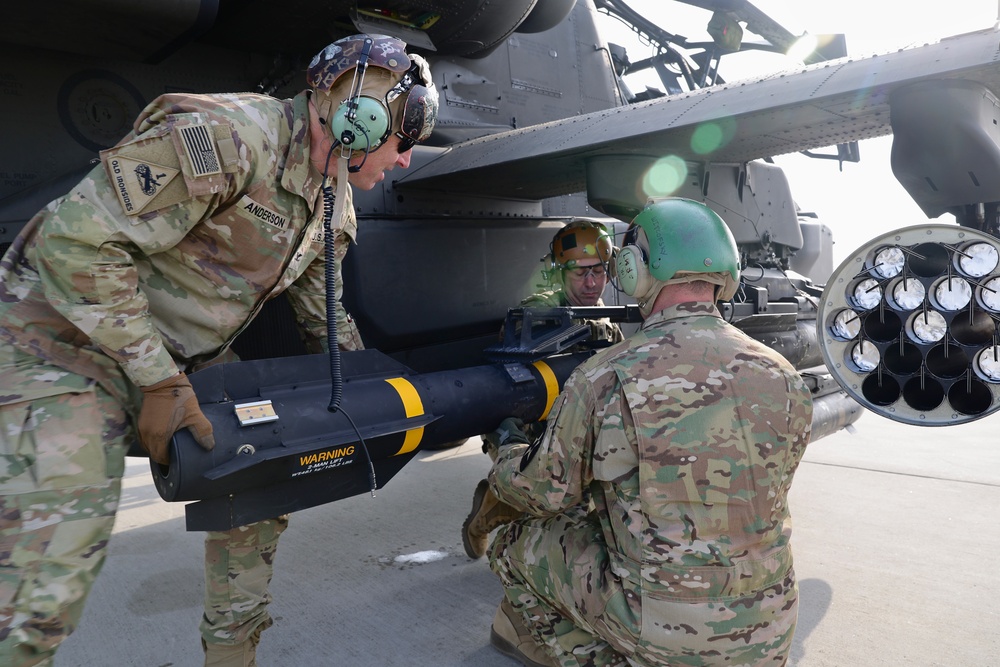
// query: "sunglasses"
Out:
[405,143]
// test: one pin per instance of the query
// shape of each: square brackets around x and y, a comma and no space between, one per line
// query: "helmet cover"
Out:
[329,64]
[412,101]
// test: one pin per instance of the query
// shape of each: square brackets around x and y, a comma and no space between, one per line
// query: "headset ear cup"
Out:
[633,274]
[370,126]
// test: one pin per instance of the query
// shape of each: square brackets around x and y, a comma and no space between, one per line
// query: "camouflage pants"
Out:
[556,572]
[62,452]
[63,441]
[239,564]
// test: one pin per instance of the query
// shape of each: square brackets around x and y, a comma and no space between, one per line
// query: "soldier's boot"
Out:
[509,636]
[233,655]
[487,514]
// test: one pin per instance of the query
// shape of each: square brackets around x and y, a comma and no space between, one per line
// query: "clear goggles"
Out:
[598,271]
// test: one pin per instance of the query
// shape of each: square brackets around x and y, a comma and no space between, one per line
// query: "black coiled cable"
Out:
[333,344]
[330,280]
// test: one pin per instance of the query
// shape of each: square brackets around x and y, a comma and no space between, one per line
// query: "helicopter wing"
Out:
[816,106]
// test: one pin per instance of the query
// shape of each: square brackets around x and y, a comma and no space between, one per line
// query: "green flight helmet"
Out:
[685,237]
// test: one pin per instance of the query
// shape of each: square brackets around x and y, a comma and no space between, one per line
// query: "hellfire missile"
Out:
[280,448]
[284,443]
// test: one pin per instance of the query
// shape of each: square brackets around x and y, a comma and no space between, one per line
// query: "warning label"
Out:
[324,460]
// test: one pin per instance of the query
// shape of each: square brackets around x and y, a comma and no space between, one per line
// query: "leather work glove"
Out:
[510,432]
[167,407]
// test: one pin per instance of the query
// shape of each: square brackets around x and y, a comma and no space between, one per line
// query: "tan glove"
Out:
[167,407]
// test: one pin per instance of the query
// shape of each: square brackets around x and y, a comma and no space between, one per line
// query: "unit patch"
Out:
[263,213]
[138,182]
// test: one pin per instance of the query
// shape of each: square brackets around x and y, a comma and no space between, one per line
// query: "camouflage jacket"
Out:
[161,256]
[601,330]
[686,436]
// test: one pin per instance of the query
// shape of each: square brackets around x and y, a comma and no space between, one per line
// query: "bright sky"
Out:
[865,199]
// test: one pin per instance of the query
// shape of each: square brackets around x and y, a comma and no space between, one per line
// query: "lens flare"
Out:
[803,47]
[665,177]
[708,138]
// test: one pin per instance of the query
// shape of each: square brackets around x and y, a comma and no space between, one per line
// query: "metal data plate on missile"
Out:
[518,373]
[257,412]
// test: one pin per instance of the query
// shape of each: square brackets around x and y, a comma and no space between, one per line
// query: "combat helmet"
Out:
[580,239]
[388,91]
[687,240]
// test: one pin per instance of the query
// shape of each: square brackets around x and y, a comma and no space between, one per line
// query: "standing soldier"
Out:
[577,264]
[685,436]
[150,267]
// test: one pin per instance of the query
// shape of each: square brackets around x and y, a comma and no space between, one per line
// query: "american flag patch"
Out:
[200,150]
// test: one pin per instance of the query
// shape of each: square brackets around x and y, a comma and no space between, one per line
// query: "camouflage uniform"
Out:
[685,437]
[154,263]
[487,511]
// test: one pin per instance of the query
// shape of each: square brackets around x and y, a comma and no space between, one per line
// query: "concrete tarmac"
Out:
[896,537]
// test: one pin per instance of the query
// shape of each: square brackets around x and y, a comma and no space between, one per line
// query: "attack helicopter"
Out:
[537,126]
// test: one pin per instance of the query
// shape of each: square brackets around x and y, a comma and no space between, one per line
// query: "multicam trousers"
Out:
[556,572]
[63,441]
[62,455]
[239,564]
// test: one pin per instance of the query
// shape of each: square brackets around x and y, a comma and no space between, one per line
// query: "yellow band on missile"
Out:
[551,387]
[413,407]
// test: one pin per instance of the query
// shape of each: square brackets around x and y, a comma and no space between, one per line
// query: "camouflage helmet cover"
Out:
[405,87]
[341,56]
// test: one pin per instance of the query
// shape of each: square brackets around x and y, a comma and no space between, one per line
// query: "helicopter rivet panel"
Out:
[908,325]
